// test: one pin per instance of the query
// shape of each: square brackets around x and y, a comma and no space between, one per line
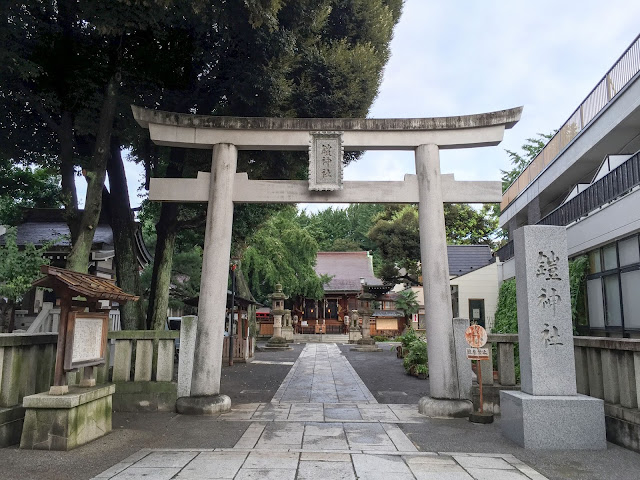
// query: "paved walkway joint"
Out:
[322,423]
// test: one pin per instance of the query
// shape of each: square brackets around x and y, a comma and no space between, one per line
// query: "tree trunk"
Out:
[166,230]
[78,259]
[12,316]
[69,193]
[124,229]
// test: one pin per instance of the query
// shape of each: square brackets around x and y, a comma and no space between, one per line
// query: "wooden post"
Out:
[60,386]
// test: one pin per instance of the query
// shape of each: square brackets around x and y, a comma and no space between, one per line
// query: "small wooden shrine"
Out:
[82,334]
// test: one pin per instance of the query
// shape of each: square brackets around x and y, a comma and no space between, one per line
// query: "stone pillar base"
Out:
[207,405]
[67,421]
[574,422]
[287,333]
[354,336]
[445,408]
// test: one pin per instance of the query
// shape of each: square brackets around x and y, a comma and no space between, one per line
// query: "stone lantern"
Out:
[277,310]
[277,341]
[365,310]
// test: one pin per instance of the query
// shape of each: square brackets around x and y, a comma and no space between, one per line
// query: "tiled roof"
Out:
[346,268]
[82,284]
[466,258]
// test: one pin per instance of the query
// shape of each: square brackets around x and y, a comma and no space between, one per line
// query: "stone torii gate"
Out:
[326,139]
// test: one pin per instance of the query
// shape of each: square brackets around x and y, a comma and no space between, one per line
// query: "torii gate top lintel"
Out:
[272,133]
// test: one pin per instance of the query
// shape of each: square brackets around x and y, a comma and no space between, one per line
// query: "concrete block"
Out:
[506,364]
[164,368]
[545,330]
[610,375]
[122,361]
[435,407]
[465,374]
[67,421]
[11,420]
[572,422]
[207,405]
[487,367]
[626,380]
[188,329]
[582,370]
[596,385]
[144,361]
[145,397]
[11,373]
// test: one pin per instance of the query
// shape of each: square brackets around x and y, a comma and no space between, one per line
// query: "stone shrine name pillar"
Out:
[207,362]
[548,413]
[443,374]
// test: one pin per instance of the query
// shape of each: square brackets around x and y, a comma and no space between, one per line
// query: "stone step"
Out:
[321,338]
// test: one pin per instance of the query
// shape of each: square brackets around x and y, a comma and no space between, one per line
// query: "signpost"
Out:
[476,337]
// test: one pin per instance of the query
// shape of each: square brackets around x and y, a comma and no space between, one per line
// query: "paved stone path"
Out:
[323,423]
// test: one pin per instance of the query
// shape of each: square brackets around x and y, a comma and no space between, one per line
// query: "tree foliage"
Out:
[506,318]
[282,252]
[25,187]
[531,148]
[18,270]
[396,235]
[406,302]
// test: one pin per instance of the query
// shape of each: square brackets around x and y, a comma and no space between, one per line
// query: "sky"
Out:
[464,57]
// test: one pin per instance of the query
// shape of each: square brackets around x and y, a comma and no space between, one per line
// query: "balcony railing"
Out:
[615,184]
[627,66]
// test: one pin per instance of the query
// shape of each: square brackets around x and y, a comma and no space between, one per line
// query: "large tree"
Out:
[282,252]
[70,69]
[396,233]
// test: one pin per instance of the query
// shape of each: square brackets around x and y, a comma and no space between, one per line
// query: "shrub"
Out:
[380,338]
[408,337]
[417,355]
[506,320]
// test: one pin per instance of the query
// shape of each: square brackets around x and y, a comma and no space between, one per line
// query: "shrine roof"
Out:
[144,117]
[82,284]
[346,268]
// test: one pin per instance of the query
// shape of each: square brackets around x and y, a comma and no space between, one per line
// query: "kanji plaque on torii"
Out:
[325,161]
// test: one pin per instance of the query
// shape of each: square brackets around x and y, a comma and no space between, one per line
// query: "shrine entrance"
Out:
[326,139]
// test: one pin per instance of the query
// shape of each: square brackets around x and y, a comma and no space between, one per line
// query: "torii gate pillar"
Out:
[446,394]
[205,383]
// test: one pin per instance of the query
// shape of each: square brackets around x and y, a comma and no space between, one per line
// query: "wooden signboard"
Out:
[86,339]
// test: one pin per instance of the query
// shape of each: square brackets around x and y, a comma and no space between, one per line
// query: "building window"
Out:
[612,286]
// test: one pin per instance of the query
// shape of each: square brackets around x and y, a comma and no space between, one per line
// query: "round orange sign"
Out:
[476,336]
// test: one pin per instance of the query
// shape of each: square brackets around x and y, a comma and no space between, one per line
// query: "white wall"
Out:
[479,284]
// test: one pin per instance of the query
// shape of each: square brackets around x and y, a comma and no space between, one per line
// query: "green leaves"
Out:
[531,148]
[281,251]
[407,303]
[506,319]
[18,268]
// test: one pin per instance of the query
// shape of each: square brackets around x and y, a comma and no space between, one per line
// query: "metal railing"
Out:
[627,66]
[615,184]
[505,252]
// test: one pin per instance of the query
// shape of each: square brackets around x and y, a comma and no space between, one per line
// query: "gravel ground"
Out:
[383,374]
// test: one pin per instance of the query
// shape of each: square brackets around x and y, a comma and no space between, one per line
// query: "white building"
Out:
[588,179]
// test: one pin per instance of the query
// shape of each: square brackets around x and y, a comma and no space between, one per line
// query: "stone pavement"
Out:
[324,423]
